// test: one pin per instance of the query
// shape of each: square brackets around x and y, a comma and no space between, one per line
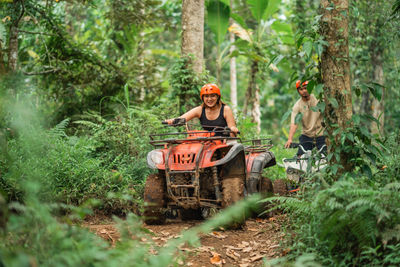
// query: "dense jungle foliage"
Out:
[91,80]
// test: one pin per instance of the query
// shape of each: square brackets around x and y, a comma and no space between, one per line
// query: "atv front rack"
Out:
[184,137]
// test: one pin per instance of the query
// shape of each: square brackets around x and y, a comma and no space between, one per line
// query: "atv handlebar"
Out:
[294,145]
[176,122]
[226,131]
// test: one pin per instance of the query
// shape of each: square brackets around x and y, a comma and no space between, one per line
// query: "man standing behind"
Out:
[312,132]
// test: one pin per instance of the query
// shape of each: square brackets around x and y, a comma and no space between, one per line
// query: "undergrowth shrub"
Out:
[105,160]
[349,222]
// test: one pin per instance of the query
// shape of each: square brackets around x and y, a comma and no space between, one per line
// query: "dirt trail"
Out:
[259,239]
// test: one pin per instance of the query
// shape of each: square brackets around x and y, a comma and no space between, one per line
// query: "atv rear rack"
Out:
[257,145]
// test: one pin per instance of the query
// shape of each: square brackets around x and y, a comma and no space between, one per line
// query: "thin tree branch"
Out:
[41,33]
[42,72]
[16,22]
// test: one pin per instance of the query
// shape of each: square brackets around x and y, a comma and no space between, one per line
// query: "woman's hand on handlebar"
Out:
[234,130]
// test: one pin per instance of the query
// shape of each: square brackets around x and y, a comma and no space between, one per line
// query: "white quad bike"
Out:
[296,168]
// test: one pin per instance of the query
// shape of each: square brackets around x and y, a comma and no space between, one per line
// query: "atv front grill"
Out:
[187,158]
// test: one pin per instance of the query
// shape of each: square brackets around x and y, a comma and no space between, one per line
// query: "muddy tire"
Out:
[280,187]
[190,214]
[233,191]
[154,192]
[266,189]
[266,186]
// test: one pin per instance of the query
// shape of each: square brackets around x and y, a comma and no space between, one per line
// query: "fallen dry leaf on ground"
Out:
[232,254]
[217,235]
[216,259]
[257,258]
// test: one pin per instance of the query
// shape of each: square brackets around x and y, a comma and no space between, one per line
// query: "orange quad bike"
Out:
[201,172]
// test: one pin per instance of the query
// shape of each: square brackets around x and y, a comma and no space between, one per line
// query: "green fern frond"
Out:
[88,124]
[391,234]
[59,129]
[392,186]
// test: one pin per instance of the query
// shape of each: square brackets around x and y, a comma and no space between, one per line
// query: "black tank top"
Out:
[209,125]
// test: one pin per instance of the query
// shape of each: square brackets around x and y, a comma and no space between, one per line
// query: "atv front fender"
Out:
[235,150]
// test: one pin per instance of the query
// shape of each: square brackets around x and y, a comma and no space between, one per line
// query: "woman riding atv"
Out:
[213,113]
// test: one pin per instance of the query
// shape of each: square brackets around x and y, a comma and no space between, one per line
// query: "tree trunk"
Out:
[193,31]
[140,58]
[378,107]
[365,107]
[232,62]
[13,37]
[250,87]
[335,68]
[302,28]
[13,48]
[256,113]
[2,63]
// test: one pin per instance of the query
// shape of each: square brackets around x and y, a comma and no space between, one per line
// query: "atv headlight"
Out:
[154,158]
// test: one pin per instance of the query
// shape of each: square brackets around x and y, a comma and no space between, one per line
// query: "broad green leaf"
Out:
[371,118]
[377,91]
[300,41]
[257,8]
[350,136]
[33,54]
[234,53]
[273,6]
[310,86]
[242,45]
[356,119]
[307,47]
[281,27]
[298,118]
[334,102]
[285,116]
[319,48]
[218,19]
[365,131]
[321,106]
[275,60]
[357,90]
[287,39]
[366,170]
[319,89]
[126,92]
[334,168]
[164,52]
[2,32]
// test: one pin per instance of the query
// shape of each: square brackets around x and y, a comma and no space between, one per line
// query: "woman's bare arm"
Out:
[191,114]
[230,119]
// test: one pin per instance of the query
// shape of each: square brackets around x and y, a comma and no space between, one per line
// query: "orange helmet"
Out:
[302,84]
[208,89]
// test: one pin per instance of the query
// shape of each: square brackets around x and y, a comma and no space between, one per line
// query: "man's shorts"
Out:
[309,143]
